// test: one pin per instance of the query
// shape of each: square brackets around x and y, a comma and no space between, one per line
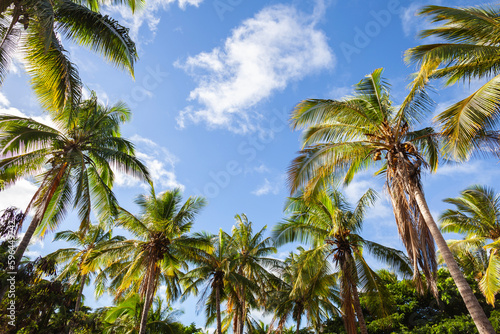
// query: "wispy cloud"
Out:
[160,162]
[148,15]
[270,187]
[263,55]
[18,195]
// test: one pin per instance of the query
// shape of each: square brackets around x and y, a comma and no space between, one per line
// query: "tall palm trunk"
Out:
[217,305]
[346,294]
[78,301]
[39,215]
[359,311]
[482,323]
[80,293]
[18,255]
[242,311]
[148,299]
[299,316]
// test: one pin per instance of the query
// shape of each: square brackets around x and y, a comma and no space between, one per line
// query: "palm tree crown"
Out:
[75,162]
[477,215]
[470,50]
[35,26]
[328,223]
[347,136]
[366,130]
[160,250]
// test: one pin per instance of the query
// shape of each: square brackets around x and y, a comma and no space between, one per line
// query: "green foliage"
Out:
[43,23]
[417,313]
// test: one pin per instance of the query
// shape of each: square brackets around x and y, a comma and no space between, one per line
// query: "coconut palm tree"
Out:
[125,317]
[305,285]
[73,162]
[477,216]
[469,51]
[35,28]
[213,271]
[77,267]
[252,261]
[331,227]
[344,137]
[160,250]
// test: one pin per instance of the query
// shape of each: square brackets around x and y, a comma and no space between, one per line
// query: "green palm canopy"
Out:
[35,28]
[470,50]
[160,250]
[74,163]
[344,137]
[477,216]
[331,227]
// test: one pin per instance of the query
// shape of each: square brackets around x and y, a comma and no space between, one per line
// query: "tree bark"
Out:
[80,293]
[359,311]
[23,245]
[297,331]
[78,300]
[39,216]
[242,311]
[147,301]
[217,302]
[482,323]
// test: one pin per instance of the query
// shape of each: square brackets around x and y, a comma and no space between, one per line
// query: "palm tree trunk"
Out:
[359,311]
[482,323]
[18,255]
[242,311]
[78,301]
[148,299]
[39,215]
[235,321]
[297,331]
[80,292]
[217,305]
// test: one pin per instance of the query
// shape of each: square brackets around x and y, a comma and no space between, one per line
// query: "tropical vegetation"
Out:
[328,282]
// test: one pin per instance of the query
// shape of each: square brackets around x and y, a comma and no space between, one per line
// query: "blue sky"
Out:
[213,89]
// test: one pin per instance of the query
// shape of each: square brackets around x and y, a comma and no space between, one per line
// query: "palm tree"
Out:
[73,162]
[213,271]
[77,265]
[331,227]
[36,28]
[469,51]
[160,250]
[124,317]
[346,136]
[252,262]
[305,286]
[477,215]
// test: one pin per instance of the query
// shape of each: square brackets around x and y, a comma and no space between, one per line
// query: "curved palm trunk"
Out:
[482,323]
[23,245]
[217,305]
[80,293]
[242,311]
[147,302]
[359,311]
[78,301]
[297,331]
[39,215]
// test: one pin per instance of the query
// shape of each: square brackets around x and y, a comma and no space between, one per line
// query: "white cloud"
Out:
[338,93]
[263,55]
[148,14]
[6,109]
[455,169]
[18,195]
[160,162]
[413,23]
[270,187]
